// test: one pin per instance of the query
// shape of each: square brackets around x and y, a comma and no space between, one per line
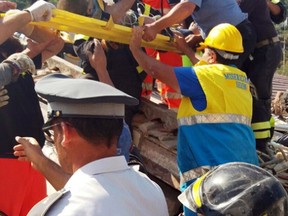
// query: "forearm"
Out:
[156,69]
[12,23]
[192,56]
[42,34]
[176,15]
[98,62]
[54,48]
[52,172]
[189,53]
[103,76]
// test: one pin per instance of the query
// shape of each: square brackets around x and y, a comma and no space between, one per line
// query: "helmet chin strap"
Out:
[226,55]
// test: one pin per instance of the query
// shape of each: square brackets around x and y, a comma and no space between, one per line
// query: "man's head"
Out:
[75,6]
[82,114]
[236,189]
[225,42]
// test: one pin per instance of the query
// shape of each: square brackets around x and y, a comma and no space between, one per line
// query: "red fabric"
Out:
[151,52]
[173,59]
[147,84]
[157,3]
[21,187]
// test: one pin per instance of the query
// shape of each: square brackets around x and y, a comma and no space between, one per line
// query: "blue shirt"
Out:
[193,89]
[210,13]
[124,142]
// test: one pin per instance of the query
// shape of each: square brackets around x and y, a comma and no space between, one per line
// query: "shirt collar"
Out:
[104,165]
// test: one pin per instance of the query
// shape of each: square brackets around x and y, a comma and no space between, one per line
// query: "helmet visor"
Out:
[191,197]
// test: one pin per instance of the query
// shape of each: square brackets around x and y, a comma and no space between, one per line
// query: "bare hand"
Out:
[194,28]
[7,5]
[180,42]
[149,32]
[136,38]
[35,48]
[193,40]
[3,97]
[98,59]
[28,149]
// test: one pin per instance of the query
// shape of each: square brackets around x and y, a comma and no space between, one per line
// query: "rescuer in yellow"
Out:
[214,116]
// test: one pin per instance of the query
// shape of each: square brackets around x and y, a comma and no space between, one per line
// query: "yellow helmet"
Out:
[224,37]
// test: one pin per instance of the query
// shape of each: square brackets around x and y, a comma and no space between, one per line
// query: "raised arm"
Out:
[98,61]
[184,47]
[39,11]
[176,15]
[28,149]
[156,69]
[50,39]
[12,23]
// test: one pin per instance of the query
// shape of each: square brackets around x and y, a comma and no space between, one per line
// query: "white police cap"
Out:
[72,97]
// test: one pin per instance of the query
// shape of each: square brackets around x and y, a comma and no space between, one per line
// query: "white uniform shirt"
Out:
[110,187]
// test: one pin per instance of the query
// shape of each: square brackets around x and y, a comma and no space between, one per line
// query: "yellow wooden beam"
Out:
[65,21]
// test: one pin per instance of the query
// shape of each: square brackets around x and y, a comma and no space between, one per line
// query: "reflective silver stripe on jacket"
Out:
[215,118]
[194,173]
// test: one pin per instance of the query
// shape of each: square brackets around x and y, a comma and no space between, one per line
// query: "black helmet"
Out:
[236,189]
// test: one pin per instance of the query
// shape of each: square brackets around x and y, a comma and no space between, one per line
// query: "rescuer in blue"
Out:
[214,116]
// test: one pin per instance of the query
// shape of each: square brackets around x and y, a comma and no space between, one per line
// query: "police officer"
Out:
[85,122]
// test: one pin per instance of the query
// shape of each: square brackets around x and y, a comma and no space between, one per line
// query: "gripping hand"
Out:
[40,11]
[20,62]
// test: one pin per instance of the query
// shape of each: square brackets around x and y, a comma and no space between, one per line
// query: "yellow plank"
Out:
[70,22]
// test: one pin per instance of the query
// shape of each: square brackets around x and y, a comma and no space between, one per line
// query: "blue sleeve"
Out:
[198,3]
[191,87]
[124,142]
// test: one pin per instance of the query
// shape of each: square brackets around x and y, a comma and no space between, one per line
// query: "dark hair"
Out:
[9,47]
[224,61]
[96,129]
[75,6]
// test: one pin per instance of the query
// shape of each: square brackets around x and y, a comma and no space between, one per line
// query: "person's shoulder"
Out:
[146,182]
[281,17]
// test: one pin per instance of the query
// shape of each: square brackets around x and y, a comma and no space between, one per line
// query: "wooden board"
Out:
[70,22]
